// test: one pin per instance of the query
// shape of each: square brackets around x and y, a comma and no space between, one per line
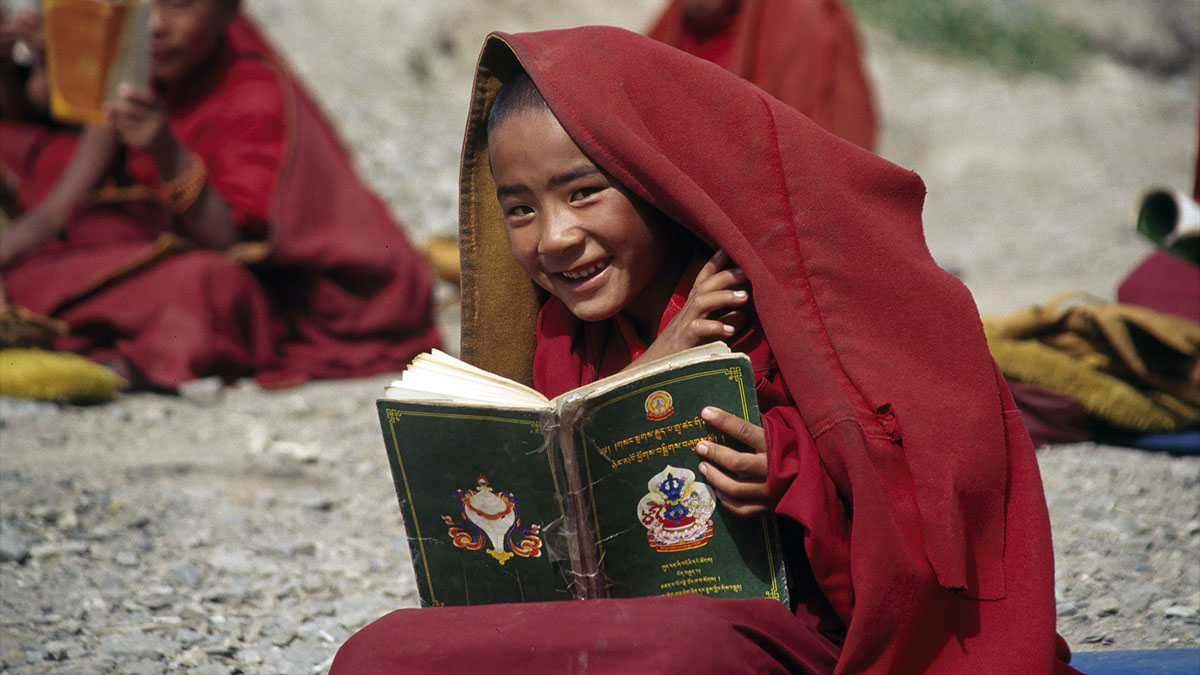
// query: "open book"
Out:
[509,497]
[92,46]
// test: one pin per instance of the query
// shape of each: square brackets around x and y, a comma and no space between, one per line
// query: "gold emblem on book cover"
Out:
[659,406]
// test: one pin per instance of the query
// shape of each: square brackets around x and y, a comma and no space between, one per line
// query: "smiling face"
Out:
[184,34]
[574,231]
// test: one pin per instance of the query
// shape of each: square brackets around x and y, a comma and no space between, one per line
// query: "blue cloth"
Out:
[1138,662]
[1176,443]
[1180,442]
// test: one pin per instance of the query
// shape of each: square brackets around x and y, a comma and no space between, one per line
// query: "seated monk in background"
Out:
[803,52]
[215,226]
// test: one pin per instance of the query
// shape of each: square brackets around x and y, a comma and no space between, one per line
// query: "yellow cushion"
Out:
[55,376]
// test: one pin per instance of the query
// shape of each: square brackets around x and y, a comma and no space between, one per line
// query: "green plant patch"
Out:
[1013,37]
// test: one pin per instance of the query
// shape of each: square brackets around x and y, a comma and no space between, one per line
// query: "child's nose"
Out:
[156,20]
[561,232]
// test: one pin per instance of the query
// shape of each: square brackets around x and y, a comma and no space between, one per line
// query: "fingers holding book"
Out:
[739,478]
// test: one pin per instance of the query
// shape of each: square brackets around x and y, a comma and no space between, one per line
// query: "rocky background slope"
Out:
[236,530]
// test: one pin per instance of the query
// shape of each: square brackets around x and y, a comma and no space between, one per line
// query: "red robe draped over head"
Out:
[912,504]
[325,284]
[803,52]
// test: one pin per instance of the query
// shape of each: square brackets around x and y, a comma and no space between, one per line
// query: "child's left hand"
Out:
[739,478]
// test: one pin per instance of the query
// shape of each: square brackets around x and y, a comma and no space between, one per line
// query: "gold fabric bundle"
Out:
[27,370]
[55,376]
[1135,368]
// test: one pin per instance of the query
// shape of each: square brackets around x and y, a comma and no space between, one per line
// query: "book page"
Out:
[80,36]
[437,356]
[676,360]
[440,376]
[92,46]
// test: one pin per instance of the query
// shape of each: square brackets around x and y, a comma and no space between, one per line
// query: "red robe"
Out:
[336,291]
[910,488]
[803,52]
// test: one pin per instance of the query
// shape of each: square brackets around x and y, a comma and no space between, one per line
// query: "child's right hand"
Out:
[715,310]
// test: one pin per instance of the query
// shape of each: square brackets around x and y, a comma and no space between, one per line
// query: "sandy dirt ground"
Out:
[237,530]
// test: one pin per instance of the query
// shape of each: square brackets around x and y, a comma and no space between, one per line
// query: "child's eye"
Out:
[517,211]
[584,193]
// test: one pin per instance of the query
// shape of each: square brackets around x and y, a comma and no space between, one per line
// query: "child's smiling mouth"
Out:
[580,275]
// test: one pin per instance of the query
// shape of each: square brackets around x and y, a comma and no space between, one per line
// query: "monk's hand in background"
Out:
[739,478]
[715,309]
[140,120]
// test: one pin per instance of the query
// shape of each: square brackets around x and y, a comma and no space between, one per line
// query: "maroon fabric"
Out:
[904,445]
[342,292]
[32,156]
[1050,416]
[715,45]
[1165,284]
[803,52]
[572,353]
[680,634]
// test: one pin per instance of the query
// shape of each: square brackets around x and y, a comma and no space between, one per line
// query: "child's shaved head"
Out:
[519,94]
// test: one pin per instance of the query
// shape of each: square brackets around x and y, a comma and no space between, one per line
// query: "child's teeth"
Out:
[585,273]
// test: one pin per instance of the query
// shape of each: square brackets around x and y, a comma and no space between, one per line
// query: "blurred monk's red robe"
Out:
[803,52]
[324,283]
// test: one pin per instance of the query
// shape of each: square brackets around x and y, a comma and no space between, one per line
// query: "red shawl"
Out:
[803,52]
[336,291]
[904,459]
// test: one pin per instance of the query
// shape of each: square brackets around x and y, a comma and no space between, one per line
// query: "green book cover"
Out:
[510,497]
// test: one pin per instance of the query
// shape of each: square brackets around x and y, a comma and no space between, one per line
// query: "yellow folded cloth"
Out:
[1133,367]
[56,376]
[442,255]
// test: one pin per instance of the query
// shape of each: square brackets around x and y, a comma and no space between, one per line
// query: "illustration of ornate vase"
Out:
[491,514]
[677,512]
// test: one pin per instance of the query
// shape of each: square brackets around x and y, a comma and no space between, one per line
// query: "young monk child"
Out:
[626,206]
[214,226]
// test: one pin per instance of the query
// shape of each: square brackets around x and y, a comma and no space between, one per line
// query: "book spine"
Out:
[131,62]
[586,567]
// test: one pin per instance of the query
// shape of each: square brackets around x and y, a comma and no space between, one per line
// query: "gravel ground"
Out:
[240,530]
